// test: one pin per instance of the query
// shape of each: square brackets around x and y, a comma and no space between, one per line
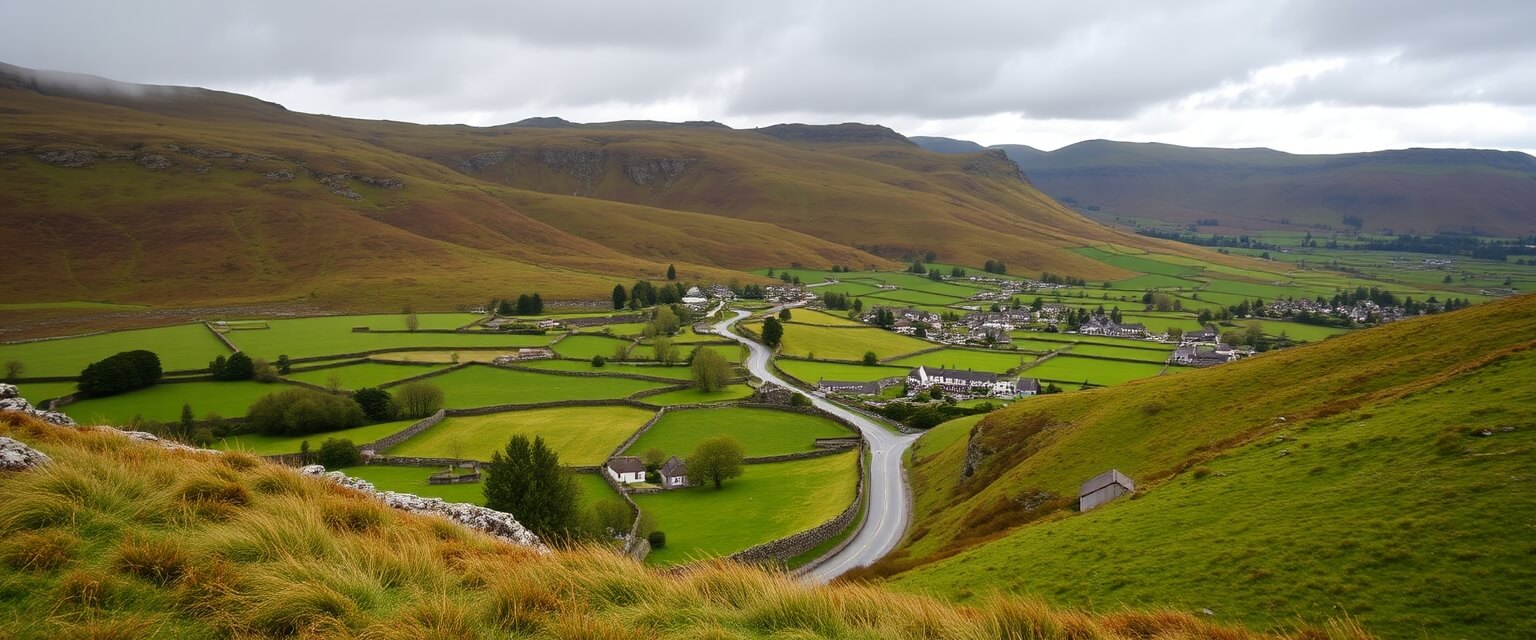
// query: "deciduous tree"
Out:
[418,399]
[711,371]
[717,459]
[773,332]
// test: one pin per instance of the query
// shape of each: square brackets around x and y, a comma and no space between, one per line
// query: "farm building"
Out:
[625,469]
[1103,488]
[674,474]
[855,388]
[966,382]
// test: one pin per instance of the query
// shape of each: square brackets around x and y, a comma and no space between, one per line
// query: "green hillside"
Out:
[1381,473]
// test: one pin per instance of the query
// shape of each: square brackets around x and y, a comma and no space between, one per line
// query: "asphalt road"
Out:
[888,515]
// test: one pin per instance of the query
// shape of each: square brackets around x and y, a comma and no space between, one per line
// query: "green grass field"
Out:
[678,372]
[306,337]
[941,437]
[822,318]
[181,347]
[769,501]
[763,432]
[413,480]
[916,297]
[163,402]
[1293,330]
[694,396]
[442,356]
[1108,351]
[585,346]
[846,344]
[581,435]
[731,352]
[484,386]
[994,361]
[1146,265]
[37,392]
[357,376]
[1067,369]
[269,445]
[811,371]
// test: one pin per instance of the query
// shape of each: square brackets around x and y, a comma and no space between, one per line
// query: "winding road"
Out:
[888,513]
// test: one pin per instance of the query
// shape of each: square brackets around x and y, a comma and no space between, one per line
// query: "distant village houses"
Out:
[969,383]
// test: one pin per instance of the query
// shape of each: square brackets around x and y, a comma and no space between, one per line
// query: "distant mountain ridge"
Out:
[1419,190]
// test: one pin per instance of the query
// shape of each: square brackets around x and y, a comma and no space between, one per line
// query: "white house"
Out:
[625,469]
[976,383]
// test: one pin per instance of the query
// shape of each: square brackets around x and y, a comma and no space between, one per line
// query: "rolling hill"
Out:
[1413,191]
[1386,473]
[176,196]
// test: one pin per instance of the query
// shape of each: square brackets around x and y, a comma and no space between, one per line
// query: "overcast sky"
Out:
[1309,76]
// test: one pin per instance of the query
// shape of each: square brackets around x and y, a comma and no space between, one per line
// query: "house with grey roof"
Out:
[625,469]
[674,474]
[1102,488]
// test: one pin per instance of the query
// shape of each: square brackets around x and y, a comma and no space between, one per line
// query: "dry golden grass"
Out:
[191,545]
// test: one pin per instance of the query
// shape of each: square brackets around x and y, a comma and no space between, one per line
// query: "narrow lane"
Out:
[886,521]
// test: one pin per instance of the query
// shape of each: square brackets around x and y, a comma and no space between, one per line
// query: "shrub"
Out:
[418,399]
[658,539]
[1201,472]
[335,453]
[870,359]
[237,367]
[599,361]
[263,371]
[375,403]
[300,411]
[122,372]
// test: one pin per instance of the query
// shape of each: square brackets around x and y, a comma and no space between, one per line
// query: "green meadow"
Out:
[1073,370]
[163,402]
[679,372]
[268,445]
[993,361]
[846,344]
[581,435]
[485,386]
[180,347]
[584,346]
[695,396]
[763,432]
[308,337]
[357,376]
[811,371]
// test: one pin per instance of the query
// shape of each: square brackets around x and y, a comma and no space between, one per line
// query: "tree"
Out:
[538,303]
[304,457]
[784,314]
[375,403]
[1175,333]
[504,308]
[598,361]
[299,411]
[653,458]
[526,481]
[1254,333]
[773,332]
[418,399]
[870,359]
[284,365]
[411,322]
[237,367]
[666,352]
[671,272]
[121,372]
[263,371]
[337,453]
[619,296]
[658,539]
[186,422]
[14,369]
[936,393]
[717,459]
[664,322]
[711,371]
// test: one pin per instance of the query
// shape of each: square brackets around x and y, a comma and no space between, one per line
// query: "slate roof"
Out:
[674,468]
[1028,384]
[957,374]
[626,464]
[1113,476]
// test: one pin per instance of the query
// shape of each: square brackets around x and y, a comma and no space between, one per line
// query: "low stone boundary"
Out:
[221,338]
[630,441]
[416,461]
[799,543]
[503,408]
[374,352]
[803,455]
[588,374]
[430,374]
[327,365]
[406,433]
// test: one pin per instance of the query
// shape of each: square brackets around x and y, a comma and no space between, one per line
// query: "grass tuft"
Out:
[158,561]
[40,551]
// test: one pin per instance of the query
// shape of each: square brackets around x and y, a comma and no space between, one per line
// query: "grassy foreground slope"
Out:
[122,540]
[1383,473]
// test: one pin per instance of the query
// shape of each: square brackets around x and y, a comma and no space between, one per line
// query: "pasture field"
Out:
[1109,351]
[731,352]
[413,480]
[163,402]
[442,357]
[618,329]
[1030,341]
[763,432]
[695,396]
[679,372]
[483,386]
[581,435]
[846,344]
[584,346]
[847,287]
[1292,330]
[37,392]
[1069,370]
[1155,281]
[822,318]
[268,445]
[916,297]
[767,502]
[811,371]
[308,337]
[1145,265]
[941,437]
[357,376]
[1160,322]
[993,361]
[914,282]
[180,347]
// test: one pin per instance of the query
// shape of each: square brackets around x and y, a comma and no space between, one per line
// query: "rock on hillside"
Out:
[11,400]
[495,523]
[15,456]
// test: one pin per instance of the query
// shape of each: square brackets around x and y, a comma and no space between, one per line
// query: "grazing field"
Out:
[37,392]
[483,386]
[443,357]
[939,438]
[1068,369]
[1161,322]
[692,396]
[822,318]
[810,371]
[846,344]
[914,282]
[185,346]
[731,352]
[1155,281]
[763,432]
[916,297]
[1294,330]
[679,372]
[594,489]
[767,502]
[581,435]
[269,445]
[1128,353]
[308,337]
[413,480]
[993,361]
[357,376]
[1031,343]
[585,346]
[1138,264]
[849,288]
[163,402]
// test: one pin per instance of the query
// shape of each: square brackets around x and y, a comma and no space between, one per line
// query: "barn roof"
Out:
[1113,476]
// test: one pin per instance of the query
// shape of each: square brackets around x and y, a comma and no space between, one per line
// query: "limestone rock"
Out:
[393,184]
[338,185]
[154,161]
[68,157]
[15,456]
[656,173]
[11,400]
[495,523]
[281,175]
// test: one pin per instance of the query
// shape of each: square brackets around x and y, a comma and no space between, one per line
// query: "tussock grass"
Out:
[113,540]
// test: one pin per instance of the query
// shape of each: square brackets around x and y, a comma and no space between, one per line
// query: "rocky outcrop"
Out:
[11,400]
[154,161]
[337,184]
[15,456]
[482,161]
[68,157]
[585,165]
[393,184]
[656,173]
[995,163]
[495,523]
[150,438]
[280,175]
[975,453]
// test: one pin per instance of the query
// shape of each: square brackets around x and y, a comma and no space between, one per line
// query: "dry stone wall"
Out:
[804,541]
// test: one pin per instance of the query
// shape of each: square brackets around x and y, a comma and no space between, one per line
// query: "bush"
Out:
[375,403]
[658,539]
[599,361]
[300,411]
[418,399]
[335,453]
[237,367]
[122,372]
